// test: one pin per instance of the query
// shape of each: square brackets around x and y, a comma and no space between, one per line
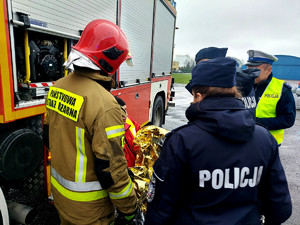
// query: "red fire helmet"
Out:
[105,44]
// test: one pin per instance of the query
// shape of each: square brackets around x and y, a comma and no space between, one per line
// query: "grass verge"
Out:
[182,78]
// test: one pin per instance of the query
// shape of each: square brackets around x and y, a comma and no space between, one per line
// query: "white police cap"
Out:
[257,58]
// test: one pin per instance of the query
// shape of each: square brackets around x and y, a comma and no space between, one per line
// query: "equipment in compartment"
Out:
[46,56]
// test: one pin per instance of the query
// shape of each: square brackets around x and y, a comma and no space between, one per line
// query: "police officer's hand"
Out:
[136,218]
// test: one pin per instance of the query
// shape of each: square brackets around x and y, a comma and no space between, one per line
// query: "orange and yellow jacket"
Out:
[131,127]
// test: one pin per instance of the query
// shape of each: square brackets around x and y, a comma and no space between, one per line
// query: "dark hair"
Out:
[209,92]
[120,101]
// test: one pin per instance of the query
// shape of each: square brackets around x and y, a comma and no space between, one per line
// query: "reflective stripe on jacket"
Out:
[266,107]
[85,123]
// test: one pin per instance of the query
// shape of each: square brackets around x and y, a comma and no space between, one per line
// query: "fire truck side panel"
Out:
[65,16]
[137,101]
[54,17]
[163,40]
[136,22]
[7,97]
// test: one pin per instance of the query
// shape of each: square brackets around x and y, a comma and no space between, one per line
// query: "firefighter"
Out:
[88,168]
[131,127]
[220,168]
[276,109]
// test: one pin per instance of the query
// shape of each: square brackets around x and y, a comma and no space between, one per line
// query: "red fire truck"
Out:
[36,37]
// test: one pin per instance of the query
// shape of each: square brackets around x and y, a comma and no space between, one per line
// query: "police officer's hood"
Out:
[224,117]
[245,79]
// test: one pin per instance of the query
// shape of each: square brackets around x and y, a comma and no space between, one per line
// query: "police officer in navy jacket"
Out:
[276,109]
[244,81]
[205,54]
[220,168]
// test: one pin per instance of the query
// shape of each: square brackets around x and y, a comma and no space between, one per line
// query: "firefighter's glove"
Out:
[136,218]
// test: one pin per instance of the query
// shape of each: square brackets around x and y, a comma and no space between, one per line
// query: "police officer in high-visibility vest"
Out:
[276,109]
[88,169]
[220,168]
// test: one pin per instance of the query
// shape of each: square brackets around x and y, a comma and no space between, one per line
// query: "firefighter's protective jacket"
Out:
[85,131]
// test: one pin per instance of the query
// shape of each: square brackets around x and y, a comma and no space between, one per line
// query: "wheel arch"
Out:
[161,94]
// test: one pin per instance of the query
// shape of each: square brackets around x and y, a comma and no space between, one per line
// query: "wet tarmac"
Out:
[289,150]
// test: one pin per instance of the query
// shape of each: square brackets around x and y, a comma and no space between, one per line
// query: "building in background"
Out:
[175,66]
[183,60]
[287,67]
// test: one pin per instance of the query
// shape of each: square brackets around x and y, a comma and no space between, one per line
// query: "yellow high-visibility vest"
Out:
[132,128]
[266,107]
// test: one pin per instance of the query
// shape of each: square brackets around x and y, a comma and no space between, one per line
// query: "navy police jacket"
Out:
[220,168]
[285,109]
[244,81]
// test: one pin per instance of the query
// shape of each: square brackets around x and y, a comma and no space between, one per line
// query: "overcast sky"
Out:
[272,26]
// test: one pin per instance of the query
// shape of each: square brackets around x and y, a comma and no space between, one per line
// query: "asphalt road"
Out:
[289,150]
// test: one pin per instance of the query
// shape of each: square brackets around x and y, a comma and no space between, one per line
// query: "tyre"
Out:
[35,182]
[20,154]
[158,112]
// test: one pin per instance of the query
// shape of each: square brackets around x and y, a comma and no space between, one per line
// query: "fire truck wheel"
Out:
[20,154]
[158,112]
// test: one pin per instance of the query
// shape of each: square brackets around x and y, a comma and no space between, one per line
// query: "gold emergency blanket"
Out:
[149,141]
